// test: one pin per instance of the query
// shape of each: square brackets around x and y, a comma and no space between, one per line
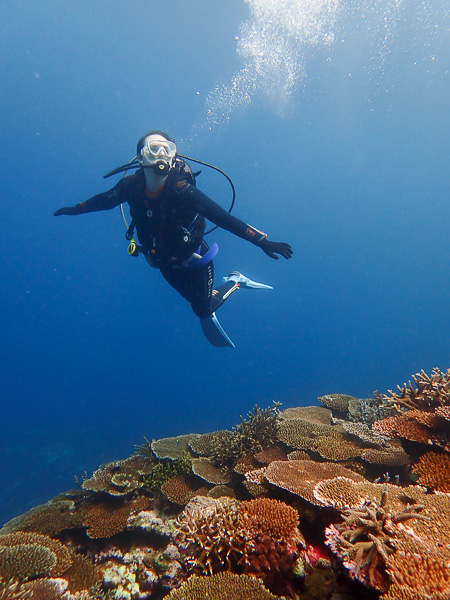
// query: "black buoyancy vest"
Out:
[169,229]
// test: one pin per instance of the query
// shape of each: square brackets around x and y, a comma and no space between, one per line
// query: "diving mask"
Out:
[157,149]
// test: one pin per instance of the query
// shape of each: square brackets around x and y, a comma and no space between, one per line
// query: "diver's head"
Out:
[156,152]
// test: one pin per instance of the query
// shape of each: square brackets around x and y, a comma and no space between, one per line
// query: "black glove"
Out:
[270,248]
[66,210]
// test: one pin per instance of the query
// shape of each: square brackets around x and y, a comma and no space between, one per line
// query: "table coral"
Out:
[63,556]
[301,476]
[204,468]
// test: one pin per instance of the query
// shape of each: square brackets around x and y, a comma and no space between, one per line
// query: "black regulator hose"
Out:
[230,181]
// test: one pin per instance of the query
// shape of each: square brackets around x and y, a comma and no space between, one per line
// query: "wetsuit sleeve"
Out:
[103,201]
[217,215]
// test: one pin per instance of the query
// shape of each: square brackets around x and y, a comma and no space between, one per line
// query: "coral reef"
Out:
[285,505]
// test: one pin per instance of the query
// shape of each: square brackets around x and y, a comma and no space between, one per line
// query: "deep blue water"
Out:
[351,169]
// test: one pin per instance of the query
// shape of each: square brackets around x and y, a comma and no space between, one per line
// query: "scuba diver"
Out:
[168,212]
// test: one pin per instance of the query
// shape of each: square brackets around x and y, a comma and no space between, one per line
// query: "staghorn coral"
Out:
[30,541]
[300,476]
[426,573]
[432,392]
[342,493]
[433,470]
[364,540]
[253,434]
[203,468]
[225,586]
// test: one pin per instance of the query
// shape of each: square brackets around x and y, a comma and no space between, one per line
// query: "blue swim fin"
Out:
[214,332]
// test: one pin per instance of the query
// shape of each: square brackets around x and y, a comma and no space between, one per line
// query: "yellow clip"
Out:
[132,249]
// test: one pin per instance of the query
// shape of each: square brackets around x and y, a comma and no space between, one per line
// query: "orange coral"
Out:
[427,573]
[433,469]
[81,575]
[225,586]
[269,455]
[104,521]
[422,411]
[403,427]
[301,476]
[178,490]
[265,516]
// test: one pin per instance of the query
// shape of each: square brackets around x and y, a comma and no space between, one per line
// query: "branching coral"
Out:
[165,470]
[364,539]
[420,412]
[259,537]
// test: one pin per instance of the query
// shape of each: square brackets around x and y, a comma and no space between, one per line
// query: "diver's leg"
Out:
[196,286]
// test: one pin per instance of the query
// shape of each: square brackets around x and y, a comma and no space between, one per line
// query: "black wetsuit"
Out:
[170,227]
